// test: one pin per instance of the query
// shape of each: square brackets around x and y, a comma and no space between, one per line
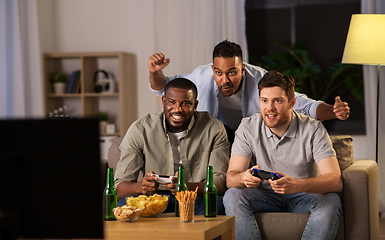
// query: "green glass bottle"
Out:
[110,197]
[180,186]
[210,195]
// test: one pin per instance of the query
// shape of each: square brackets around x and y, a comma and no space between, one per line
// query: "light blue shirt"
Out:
[203,77]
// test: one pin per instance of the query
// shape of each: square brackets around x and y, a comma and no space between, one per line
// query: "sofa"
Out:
[360,214]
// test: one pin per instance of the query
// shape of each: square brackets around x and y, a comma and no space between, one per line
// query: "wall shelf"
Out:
[120,105]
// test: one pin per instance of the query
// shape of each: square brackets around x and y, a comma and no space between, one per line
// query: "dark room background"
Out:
[323,27]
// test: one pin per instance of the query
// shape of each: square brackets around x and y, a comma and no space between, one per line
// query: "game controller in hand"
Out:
[265,174]
[163,179]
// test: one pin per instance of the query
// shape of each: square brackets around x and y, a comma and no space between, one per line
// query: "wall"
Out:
[360,147]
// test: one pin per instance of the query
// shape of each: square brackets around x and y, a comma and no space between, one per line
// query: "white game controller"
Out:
[163,179]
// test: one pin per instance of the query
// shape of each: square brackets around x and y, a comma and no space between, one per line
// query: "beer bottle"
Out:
[180,186]
[110,197]
[210,195]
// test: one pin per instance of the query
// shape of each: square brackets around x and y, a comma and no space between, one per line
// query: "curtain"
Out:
[20,85]
[370,86]
[191,30]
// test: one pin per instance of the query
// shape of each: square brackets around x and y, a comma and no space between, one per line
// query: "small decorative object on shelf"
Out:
[110,128]
[59,80]
[60,112]
[103,118]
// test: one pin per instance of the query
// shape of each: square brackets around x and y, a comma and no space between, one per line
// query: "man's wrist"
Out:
[241,178]
[156,72]
[302,185]
[325,112]
[138,188]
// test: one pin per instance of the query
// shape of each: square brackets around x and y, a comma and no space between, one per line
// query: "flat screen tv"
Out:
[50,179]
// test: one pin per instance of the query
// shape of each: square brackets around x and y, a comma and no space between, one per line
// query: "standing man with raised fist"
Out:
[228,88]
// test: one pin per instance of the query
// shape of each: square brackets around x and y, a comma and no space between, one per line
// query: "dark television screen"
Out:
[50,179]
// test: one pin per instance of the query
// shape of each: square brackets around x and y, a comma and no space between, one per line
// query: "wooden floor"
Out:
[382,228]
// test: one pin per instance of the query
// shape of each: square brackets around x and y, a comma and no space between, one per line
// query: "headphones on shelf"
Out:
[103,85]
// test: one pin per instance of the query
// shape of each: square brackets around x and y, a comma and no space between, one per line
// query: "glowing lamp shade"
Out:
[365,43]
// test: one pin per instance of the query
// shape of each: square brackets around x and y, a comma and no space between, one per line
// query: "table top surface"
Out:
[167,226]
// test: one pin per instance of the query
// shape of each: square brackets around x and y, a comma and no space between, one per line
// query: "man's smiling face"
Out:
[228,74]
[179,106]
[275,107]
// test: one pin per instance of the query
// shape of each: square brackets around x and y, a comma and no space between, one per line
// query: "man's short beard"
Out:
[174,129]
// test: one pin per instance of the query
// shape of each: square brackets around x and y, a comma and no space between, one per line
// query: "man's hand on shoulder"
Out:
[157,62]
[341,109]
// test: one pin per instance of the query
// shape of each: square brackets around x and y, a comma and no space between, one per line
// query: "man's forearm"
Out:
[329,182]
[157,80]
[325,112]
[128,188]
[234,179]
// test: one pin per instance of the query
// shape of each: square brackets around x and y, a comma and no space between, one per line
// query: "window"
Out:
[323,25]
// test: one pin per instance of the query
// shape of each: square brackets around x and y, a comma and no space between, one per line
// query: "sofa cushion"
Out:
[288,226]
[343,145]
[114,156]
[114,152]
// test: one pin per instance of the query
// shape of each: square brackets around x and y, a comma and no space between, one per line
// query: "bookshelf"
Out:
[120,105]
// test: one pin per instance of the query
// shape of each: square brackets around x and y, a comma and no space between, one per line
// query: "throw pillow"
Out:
[344,150]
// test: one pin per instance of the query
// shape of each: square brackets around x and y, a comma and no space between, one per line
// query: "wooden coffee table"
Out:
[167,226]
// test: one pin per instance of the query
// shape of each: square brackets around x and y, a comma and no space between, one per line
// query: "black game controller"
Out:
[265,174]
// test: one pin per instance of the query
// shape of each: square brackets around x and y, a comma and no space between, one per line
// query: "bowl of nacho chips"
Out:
[126,213]
[149,206]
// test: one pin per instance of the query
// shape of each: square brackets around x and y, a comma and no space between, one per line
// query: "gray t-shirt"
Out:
[304,144]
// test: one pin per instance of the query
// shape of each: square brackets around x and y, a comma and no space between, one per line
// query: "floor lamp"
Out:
[365,45]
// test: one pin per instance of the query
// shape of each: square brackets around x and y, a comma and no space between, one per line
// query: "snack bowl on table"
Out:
[126,213]
[149,206]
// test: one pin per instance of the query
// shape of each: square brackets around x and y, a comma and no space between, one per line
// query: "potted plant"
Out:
[59,80]
[103,118]
[310,78]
